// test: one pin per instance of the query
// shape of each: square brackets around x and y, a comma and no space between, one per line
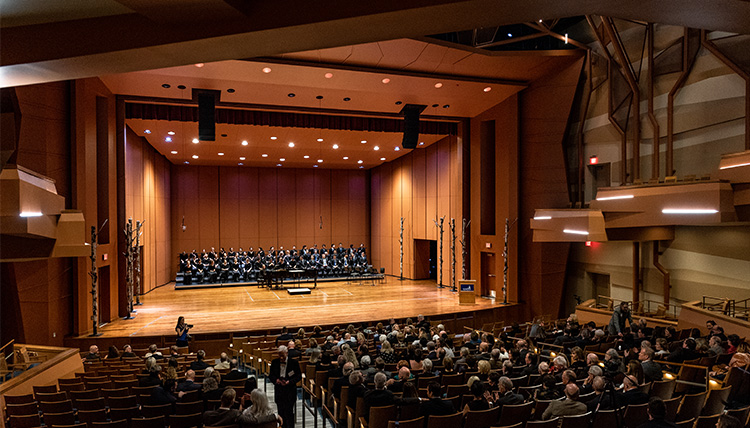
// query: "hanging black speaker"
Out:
[411,114]
[206,113]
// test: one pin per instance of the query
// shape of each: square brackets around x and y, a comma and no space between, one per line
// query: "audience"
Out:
[259,412]
[225,415]
[568,407]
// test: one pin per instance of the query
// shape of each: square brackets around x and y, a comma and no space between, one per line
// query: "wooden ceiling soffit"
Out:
[285,119]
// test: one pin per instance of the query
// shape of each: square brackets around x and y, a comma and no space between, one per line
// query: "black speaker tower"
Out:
[411,114]
[207,99]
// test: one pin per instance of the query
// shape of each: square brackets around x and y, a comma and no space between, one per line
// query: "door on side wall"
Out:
[425,255]
[599,285]
[489,278]
[104,295]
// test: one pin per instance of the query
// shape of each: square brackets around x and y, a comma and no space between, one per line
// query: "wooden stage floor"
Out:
[214,310]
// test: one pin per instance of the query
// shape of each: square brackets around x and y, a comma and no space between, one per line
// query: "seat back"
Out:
[186,421]
[408,412]
[449,421]
[90,416]
[663,389]
[19,399]
[22,409]
[127,413]
[122,423]
[379,416]
[83,395]
[154,422]
[410,423]
[635,415]
[552,423]
[539,407]
[685,424]
[741,414]
[707,421]
[511,414]
[716,401]
[64,418]
[482,418]
[691,406]
[605,418]
[25,421]
[50,397]
[90,404]
[577,421]
[56,406]
[672,405]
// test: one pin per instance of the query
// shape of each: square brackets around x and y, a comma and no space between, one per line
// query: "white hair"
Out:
[283,349]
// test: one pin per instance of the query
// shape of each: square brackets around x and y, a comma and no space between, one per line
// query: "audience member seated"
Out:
[234,371]
[604,398]
[93,354]
[223,363]
[505,394]
[479,402]
[225,415]
[165,394]
[259,412]
[631,394]
[199,364]
[127,352]
[435,405]
[657,411]
[152,369]
[379,396]
[189,383]
[153,351]
[568,407]
[211,390]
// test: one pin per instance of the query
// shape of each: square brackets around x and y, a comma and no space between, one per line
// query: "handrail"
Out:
[12,341]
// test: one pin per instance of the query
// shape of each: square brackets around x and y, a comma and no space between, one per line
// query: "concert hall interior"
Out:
[534,170]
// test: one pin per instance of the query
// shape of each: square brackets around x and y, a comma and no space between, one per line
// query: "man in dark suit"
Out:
[435,405]
[377,397]
[284,374]
[631,394]
[657,411]
[224,415]
[189,383]
[199,364]
[505,394]
[234,372]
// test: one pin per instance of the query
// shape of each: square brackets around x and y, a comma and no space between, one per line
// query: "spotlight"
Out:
[320,160]
[170,132]
[376,148]
[320,140]
[360,161]
[335,146]
[282,159]
[200,65]
[438,85]
[306,156]
[196,141]
[265,155]
[266,70]
[487,89]
[174,152]
[363,141]
[291,144]
[221,153]
[195,156]
[242,158]
[148,131]
[328,75]
[346,157]
[244,143]
[273,138]
[168,139]
[386,80]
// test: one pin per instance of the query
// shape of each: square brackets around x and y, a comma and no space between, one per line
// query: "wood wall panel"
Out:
[420,186]
[148,199]
[252,207]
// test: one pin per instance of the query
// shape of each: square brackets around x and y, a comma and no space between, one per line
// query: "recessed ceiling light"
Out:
[221,153]
[278,164]
[346,157]
[360,161]
[273,138]
[320,160]
[487,89]
[306,156]
[244,143]
[335,146]
[398,103]
[242,158]
[446,106]
[240,163]
[436,105]
[438,85]
[147,131]
[195,156]
[510,35]
[328,75]
[200,64]
[174,152]
[320,140]
[196,141]
[361,167]
[187,162]
[421,143]
[224,135]
[540,20]
[363,141]
[397,148]
[386,80]
[266,70]
[166,86]
[181,87]
[291,95]
[168,139]
[376,148]
[231,90]
[170,132]
[382,158]
[347,99]
[291,144]
[315,165]
[282,159]
[265,155]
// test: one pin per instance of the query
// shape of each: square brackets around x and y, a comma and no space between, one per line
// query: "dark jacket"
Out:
[436,407]
[376,398]
[220,417]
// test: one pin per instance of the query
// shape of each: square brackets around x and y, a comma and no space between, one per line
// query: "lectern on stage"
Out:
[466,292]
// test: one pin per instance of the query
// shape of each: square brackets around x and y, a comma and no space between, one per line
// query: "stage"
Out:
[236,309]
